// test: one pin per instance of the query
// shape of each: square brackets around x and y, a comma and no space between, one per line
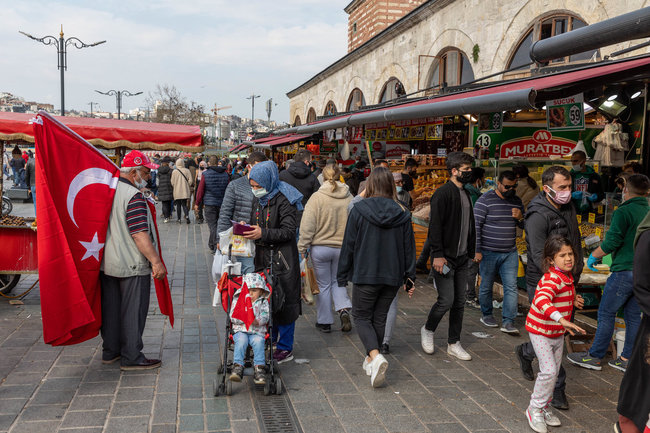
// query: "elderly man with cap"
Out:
[130,257]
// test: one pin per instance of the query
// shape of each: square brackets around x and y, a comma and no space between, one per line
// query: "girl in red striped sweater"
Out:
[548,319]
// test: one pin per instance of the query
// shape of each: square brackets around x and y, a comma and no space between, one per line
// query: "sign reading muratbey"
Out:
[541,144]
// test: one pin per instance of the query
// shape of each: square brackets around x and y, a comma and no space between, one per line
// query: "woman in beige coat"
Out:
[182,183]
[321,236]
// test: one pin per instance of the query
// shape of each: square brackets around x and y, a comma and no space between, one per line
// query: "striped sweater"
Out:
[553,300]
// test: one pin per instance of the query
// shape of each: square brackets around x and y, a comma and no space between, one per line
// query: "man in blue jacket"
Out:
[212,189]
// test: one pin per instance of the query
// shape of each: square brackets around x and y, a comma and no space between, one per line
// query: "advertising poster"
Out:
[565,114]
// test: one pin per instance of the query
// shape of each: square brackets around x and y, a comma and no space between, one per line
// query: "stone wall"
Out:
[495,26]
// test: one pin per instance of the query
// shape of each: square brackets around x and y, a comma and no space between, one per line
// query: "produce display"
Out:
[10,220]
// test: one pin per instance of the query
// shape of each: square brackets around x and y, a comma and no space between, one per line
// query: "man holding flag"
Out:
[130,256]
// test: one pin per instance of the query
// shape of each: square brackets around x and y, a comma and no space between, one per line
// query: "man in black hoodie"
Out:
[299,176]
[452,237]
[549,213]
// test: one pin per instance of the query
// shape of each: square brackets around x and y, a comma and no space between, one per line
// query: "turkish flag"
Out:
[163,292]
[244,307]
[75,185]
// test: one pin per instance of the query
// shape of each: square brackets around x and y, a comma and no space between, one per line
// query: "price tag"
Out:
[540,170]
[592,217]
[600,209]
[579,219]
[599,232]
[583,244]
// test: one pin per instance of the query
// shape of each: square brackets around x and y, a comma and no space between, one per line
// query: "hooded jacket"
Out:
[182,181]
[300,177]
[378,245]
[542,220]
[325,217]
[165,191]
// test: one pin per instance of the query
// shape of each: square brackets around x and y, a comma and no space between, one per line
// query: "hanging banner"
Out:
[565,114]
[490,122]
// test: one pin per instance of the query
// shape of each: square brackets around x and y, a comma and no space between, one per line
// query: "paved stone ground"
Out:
[56,389]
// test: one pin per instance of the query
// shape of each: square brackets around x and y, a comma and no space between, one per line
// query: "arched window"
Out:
[547,27]
[296,121]
[393,89]
[311,115]
[451,68]
[356,100]
[330,109]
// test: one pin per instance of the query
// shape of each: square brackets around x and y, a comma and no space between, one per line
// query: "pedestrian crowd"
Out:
[353,226]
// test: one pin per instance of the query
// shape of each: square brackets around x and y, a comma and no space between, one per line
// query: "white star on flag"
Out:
[92,248]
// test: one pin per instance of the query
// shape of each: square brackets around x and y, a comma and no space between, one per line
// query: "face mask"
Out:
[464,177]
[623,196]
[561,197]
[141,183]
[576,167]
[259,193]
[509,193]
[399,189]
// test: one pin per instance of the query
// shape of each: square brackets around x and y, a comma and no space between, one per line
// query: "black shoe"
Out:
[346,324]
[259,377]
[237,373]
[324,328]
[617,428]
[526,365]
[179,221]
[146,364]
[187,220]
[384,350]
[559,400]
[199,222]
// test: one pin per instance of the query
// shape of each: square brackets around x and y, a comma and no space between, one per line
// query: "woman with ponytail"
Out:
[321,235]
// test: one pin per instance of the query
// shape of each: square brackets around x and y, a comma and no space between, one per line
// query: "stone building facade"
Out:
[445,43]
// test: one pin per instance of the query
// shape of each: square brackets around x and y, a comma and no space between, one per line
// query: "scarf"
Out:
[267,176]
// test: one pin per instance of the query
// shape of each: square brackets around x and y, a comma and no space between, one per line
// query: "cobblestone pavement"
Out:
[67,389]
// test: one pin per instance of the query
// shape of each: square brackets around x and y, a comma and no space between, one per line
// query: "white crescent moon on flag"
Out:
[87,177]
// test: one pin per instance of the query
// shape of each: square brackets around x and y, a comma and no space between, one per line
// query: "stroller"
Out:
[227,286]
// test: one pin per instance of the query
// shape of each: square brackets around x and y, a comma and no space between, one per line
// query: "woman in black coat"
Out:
[274,222]
[165,193]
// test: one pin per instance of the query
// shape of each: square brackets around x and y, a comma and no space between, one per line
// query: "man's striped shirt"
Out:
[496,229]
[136,214]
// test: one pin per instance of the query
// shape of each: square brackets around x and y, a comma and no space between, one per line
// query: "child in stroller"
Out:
[253,333]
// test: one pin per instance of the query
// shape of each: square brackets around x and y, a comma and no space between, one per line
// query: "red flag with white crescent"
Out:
[75,185]
[243,309]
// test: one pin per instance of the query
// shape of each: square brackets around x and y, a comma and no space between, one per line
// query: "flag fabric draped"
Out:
[163,292]
[75,186]
[244,307]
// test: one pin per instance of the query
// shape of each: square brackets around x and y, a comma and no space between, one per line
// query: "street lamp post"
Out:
[252,98]
[61,45]
[118,97]
[91,107]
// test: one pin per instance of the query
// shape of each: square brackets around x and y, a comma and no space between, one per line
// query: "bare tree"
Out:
[168,105]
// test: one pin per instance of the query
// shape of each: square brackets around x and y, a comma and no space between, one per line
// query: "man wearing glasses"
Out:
[497,215]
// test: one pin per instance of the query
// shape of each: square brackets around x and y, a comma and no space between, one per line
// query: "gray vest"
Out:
[122,258]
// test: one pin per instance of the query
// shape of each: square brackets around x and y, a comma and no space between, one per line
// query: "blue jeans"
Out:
[33,188]
[247,264]
[283,335]
[242,340]
[506,264]
[617,293]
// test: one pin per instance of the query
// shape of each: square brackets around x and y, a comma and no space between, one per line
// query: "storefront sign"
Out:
[541,144]
[406,130]
[395,151]
[490,122]
[483,141]
[565,114]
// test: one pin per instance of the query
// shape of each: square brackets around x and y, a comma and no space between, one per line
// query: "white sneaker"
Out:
[366,366]
[426,339]
[535,419]
[457,350]
[550,418]
[378,368]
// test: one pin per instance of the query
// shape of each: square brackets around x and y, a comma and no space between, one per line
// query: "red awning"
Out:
[287,139]
[240,147]
[110,133]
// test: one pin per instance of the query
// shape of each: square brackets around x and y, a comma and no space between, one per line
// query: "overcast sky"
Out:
[213,51]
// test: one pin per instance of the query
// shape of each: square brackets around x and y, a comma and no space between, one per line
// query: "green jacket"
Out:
[619,240]
[474,192]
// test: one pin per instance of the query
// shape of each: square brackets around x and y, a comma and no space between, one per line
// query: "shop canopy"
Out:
[282,141]
[110,133]
[243,146]
[500,96]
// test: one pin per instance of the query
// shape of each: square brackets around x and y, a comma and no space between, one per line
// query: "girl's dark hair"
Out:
[553,246]
[521,171]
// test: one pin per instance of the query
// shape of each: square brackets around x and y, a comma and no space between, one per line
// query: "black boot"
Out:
[525,364]
[559,400]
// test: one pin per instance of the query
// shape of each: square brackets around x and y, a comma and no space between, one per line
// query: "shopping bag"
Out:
[241,246]
[305,291]
[311,276]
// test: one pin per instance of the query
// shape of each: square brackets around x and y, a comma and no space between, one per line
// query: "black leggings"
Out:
[167,208]
[370,304]
[182,204]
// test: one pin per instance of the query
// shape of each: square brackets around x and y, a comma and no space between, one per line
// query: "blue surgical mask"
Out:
[259,193]
[399,189]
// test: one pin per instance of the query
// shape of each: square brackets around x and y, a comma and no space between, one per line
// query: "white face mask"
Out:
[139,181]
[260,192]
[577,167]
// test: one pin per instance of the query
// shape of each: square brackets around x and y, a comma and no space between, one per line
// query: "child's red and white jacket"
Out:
[553,300]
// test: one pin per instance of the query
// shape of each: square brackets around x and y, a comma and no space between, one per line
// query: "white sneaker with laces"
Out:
[535,419]
[426,339]
[550,418]
[378,367]
[366,366]
[457,350]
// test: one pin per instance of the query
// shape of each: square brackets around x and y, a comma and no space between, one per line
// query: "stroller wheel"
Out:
[215,388]
[267,388]
[278,386]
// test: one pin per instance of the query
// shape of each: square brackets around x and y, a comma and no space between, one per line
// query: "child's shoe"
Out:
[536,420]
[237,373]
[259,377]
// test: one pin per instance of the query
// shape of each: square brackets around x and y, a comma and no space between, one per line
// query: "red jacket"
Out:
[554,293]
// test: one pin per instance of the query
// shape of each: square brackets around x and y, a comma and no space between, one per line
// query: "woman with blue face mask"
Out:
[273,228]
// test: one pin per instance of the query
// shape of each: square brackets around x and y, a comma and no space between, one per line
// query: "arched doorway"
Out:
[451,68]
[330,109]
[356,100]
[311,115]
[393,89]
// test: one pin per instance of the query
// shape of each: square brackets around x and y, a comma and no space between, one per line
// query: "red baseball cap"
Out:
[135,158]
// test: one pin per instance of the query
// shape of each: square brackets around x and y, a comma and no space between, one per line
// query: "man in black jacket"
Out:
[452,238]
[299,176]
[550,213]
[211,191]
